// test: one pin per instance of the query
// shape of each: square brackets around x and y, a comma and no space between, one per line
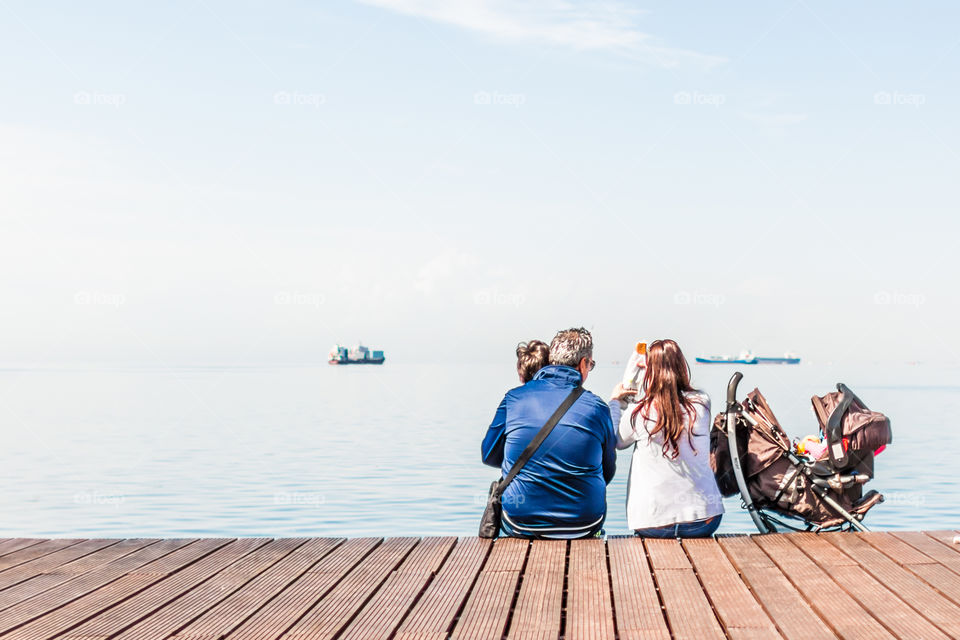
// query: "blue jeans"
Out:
[697,529]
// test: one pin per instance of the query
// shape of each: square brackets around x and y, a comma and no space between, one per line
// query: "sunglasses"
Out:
[593,363]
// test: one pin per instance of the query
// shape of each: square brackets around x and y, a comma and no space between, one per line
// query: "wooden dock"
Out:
[873,585]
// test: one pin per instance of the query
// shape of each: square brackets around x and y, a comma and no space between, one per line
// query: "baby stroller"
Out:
[784,490]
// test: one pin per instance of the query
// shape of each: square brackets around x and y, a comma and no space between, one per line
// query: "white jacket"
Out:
[660,490]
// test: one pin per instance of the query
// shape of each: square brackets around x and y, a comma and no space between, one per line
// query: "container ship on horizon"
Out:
[746,357]
[358,355]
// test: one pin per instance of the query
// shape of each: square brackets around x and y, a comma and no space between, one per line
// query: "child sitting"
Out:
[531,357]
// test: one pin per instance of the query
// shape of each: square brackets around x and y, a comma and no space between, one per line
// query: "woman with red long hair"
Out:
[671,490]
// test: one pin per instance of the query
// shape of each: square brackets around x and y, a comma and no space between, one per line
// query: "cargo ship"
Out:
[746,357]
[358,355]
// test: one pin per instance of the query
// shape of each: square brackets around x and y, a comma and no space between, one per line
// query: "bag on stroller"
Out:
[822,493]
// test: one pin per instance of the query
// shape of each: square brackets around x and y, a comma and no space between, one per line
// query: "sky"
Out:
[251,182]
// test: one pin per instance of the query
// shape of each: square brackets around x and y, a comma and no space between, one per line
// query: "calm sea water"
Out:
[391,450]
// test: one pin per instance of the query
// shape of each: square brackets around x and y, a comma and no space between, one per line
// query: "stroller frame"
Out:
[765,522]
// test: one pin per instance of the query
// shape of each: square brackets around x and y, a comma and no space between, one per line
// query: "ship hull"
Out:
[726,361]
[367,361]
[748,361]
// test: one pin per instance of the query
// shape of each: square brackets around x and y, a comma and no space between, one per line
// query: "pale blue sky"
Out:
[251,182]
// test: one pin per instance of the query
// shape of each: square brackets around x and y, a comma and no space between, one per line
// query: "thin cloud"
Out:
[582,25]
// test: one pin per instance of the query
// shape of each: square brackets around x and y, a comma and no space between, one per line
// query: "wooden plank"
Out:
[689,614]
[589,602]
[743,552]
[911,589]
[635,600]
[925,567]
[816,547]
[487,610]
[435,612]
[895,548]
[847,618]
[69,571]
[540,601]
[170,563]
[790,612]
[488,607]
[666,554]
[24,555]
[234,608]
[159,552]
[739,612]
[50,623]
[884,605]
[384,611]
[59,596]
[508,554]
[51,561]
[218,574]
[931,547]
[382,614]
[940,578]
[9,545]
[205,598]
[427,556]
[96,560]
[329,616]
[688,611]
[876,599]
[137,593]
[283,610]
[946,538]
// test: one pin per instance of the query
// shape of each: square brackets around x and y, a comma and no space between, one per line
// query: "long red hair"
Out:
[666,384]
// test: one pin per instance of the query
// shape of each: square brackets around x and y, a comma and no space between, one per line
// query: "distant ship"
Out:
[358,355]
[747,357]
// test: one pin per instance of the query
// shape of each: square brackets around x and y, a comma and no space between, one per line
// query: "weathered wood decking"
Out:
[875,585]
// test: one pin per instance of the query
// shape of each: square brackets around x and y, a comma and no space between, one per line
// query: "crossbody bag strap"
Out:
[539,438]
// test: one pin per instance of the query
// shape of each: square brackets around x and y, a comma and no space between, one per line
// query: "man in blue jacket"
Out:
[562,490]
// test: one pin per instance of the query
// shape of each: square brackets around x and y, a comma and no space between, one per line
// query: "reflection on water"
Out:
[390,450]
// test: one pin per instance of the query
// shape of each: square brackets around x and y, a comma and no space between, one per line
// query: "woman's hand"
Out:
[622,393]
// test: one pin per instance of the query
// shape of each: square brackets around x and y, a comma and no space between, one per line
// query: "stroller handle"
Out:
[732,389]
[733,411]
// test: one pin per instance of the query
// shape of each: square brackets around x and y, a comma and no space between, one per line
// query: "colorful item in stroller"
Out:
[821,488]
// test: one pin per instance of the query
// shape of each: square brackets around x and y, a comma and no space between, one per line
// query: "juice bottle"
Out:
[636,366]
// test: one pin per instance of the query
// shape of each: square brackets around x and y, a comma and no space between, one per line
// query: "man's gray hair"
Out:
[570,347]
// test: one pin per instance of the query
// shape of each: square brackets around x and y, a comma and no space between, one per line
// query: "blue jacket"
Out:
[565,482]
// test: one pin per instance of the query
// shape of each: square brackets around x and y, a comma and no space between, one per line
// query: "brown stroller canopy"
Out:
[759,446]
[865,430]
